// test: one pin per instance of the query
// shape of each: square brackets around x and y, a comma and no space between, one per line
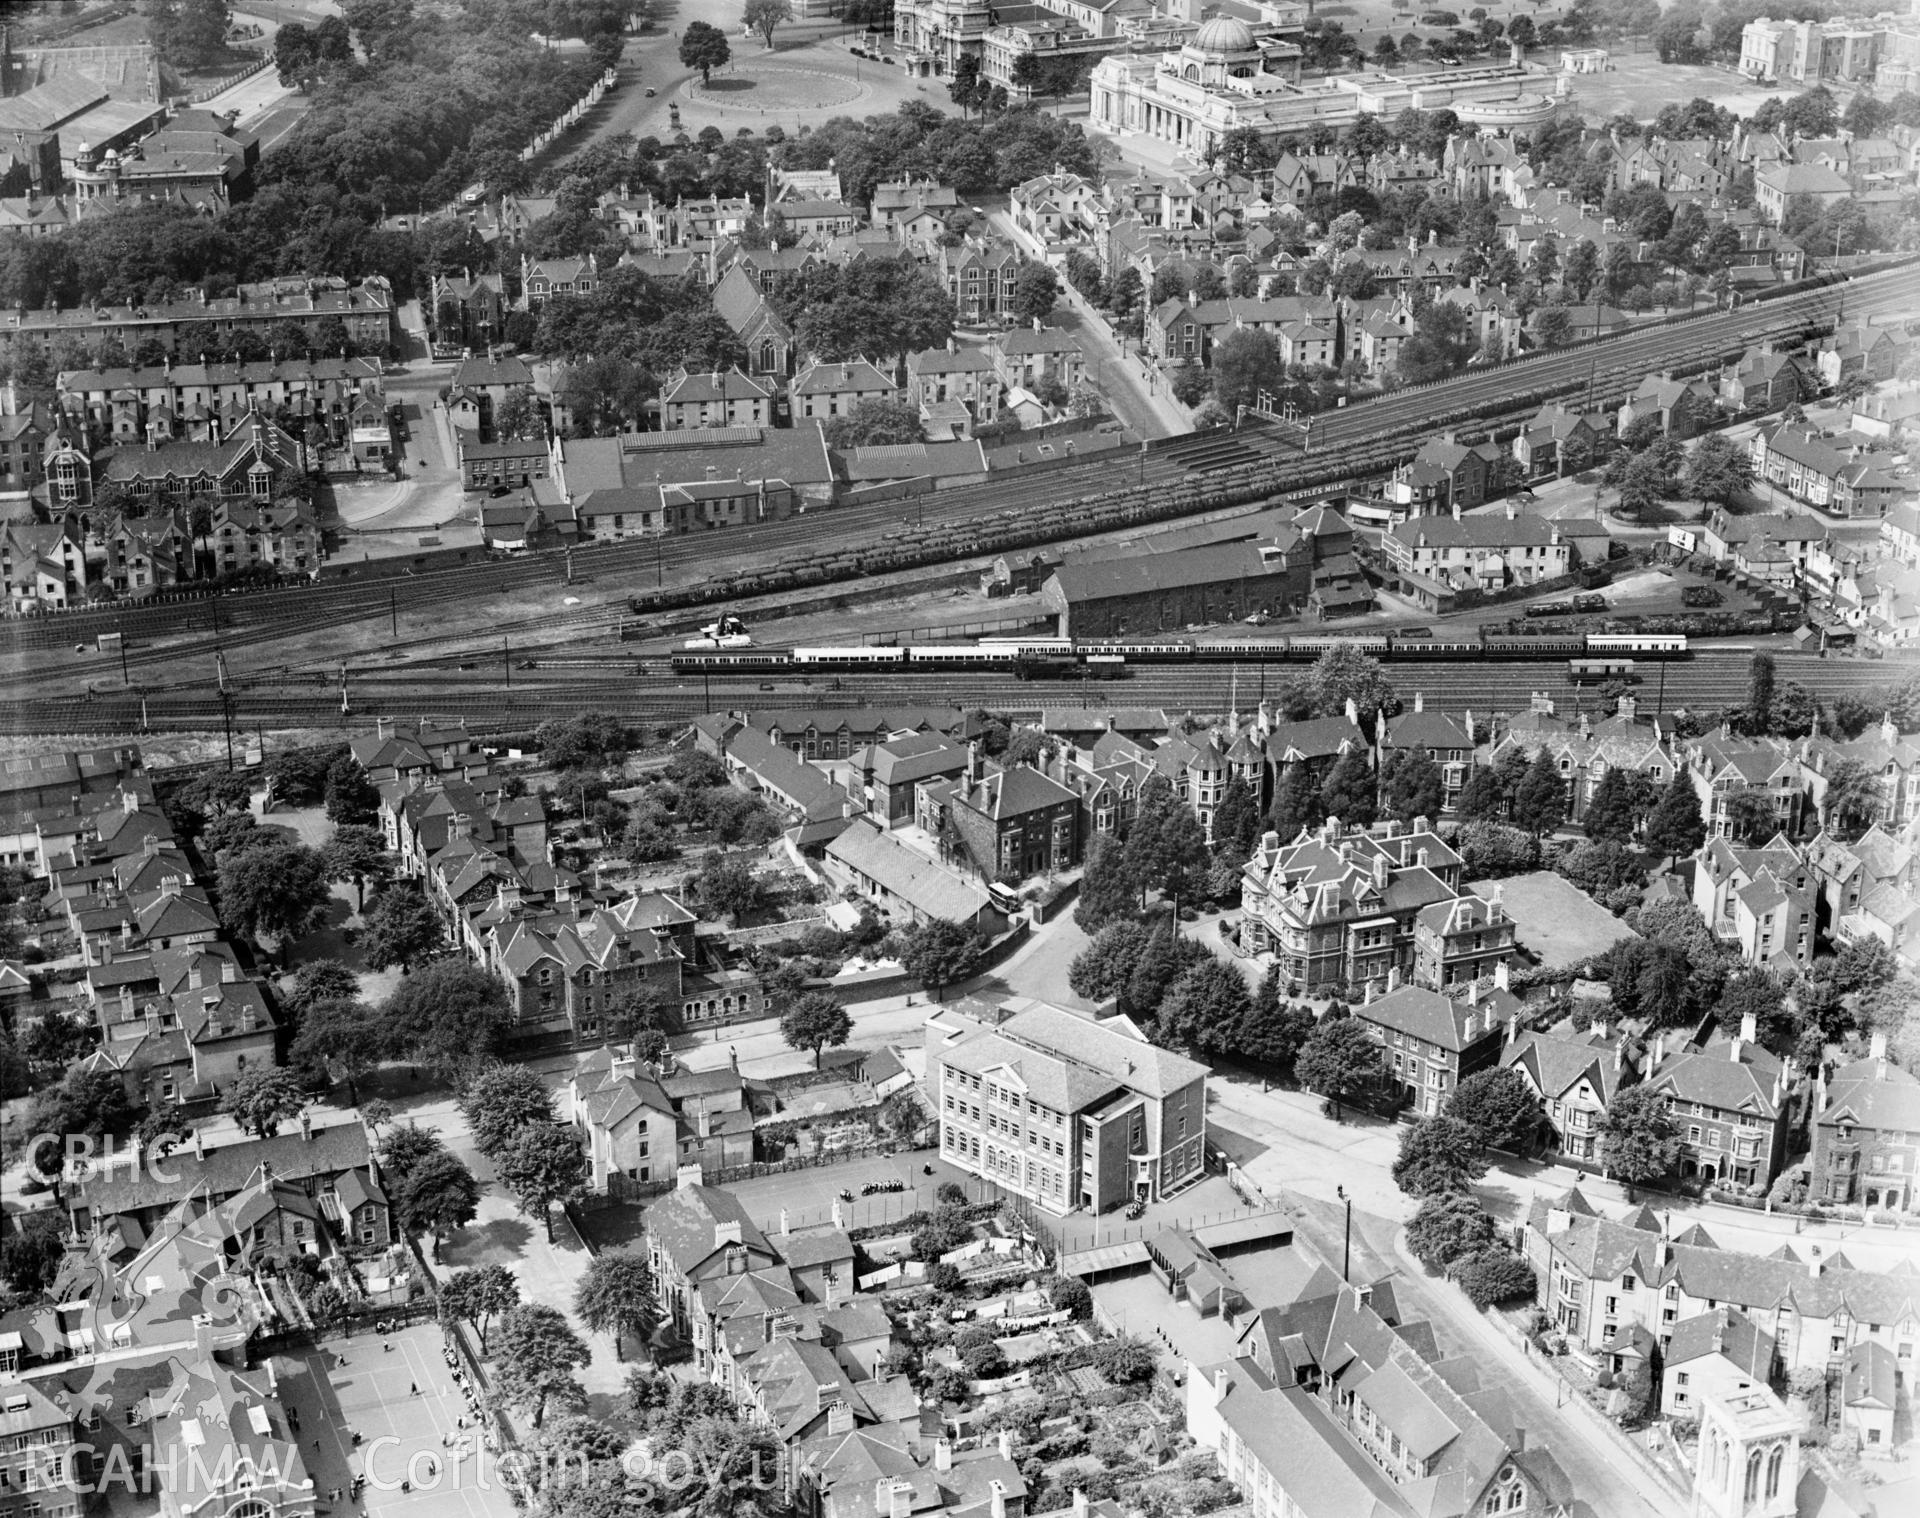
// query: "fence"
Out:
[228,81]
[571,117]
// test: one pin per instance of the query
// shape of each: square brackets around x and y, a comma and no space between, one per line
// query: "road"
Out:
[1138,396]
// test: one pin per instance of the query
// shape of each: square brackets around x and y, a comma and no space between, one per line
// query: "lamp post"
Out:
[1346,1251]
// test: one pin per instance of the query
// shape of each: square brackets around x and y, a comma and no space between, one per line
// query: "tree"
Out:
[1494,1275]
[1343,676]
[298,776]
[1166,847]
[407,1146]
[815,1021]
[439,1195]
[358,854]
[1438,1154]
[1296,803]
[873,424]
[1762,997]
[1348,790]
[585,741]
[1639,1140]
[1273,1030]
[1100,970]
[1439,346]
[1163,961]
[189,34]
[1552,326]
[449,1014]
[1205,1007]
[1340,1060]
[1541,801]
[31,1251]
[276,888]
[541,1165]
[350,795]
[938,954]
[479,1294]
[1718,470]
[1036,290]
[535,1357]
[262,1099]
[86,1102]
[1124,1360]
[1760,678]
[402,929]
[345,1038]
[1410,784]
[1750,816]
[728,888]
[1676,826]
[1449,1226]
[318,980]
[1612,811]
[295,57]
[765,17]
[1855,797]
[704,47]
[1498,1108]
[1236,818]
[501,1103]
[615,1297]
[1247,361]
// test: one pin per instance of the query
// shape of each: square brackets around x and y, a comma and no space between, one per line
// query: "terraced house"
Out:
[1068,1112]
[1597,1277]
[1333,1406]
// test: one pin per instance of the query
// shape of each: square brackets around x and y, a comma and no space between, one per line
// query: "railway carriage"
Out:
[1051,657]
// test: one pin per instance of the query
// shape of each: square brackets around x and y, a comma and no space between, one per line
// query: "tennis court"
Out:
[398,1394]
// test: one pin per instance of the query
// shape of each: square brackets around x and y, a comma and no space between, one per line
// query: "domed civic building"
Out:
[1232,74]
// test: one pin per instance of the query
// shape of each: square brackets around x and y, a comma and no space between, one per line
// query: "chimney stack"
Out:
[942,1455]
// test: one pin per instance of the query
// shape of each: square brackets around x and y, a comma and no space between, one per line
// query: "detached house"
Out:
[542,279]
[1866,1134]
[1576,1076]
[1030,356]
[1763,380]
[1434,1040]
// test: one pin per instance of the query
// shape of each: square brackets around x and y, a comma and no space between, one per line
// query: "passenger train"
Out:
[1039,658]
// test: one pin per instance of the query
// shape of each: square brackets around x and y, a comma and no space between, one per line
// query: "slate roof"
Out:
[1105,1048]
[1727,1332]
[925,886]
[1490,530]
[1436,1019]
[683,1222]
[227,1169]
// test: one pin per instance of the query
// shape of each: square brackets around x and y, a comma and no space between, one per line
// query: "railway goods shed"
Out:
[1127,593]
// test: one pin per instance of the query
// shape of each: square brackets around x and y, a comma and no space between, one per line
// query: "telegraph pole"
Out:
[226,702]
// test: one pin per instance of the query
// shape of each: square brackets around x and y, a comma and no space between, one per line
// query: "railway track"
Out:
[1707,682]
[1353,442]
